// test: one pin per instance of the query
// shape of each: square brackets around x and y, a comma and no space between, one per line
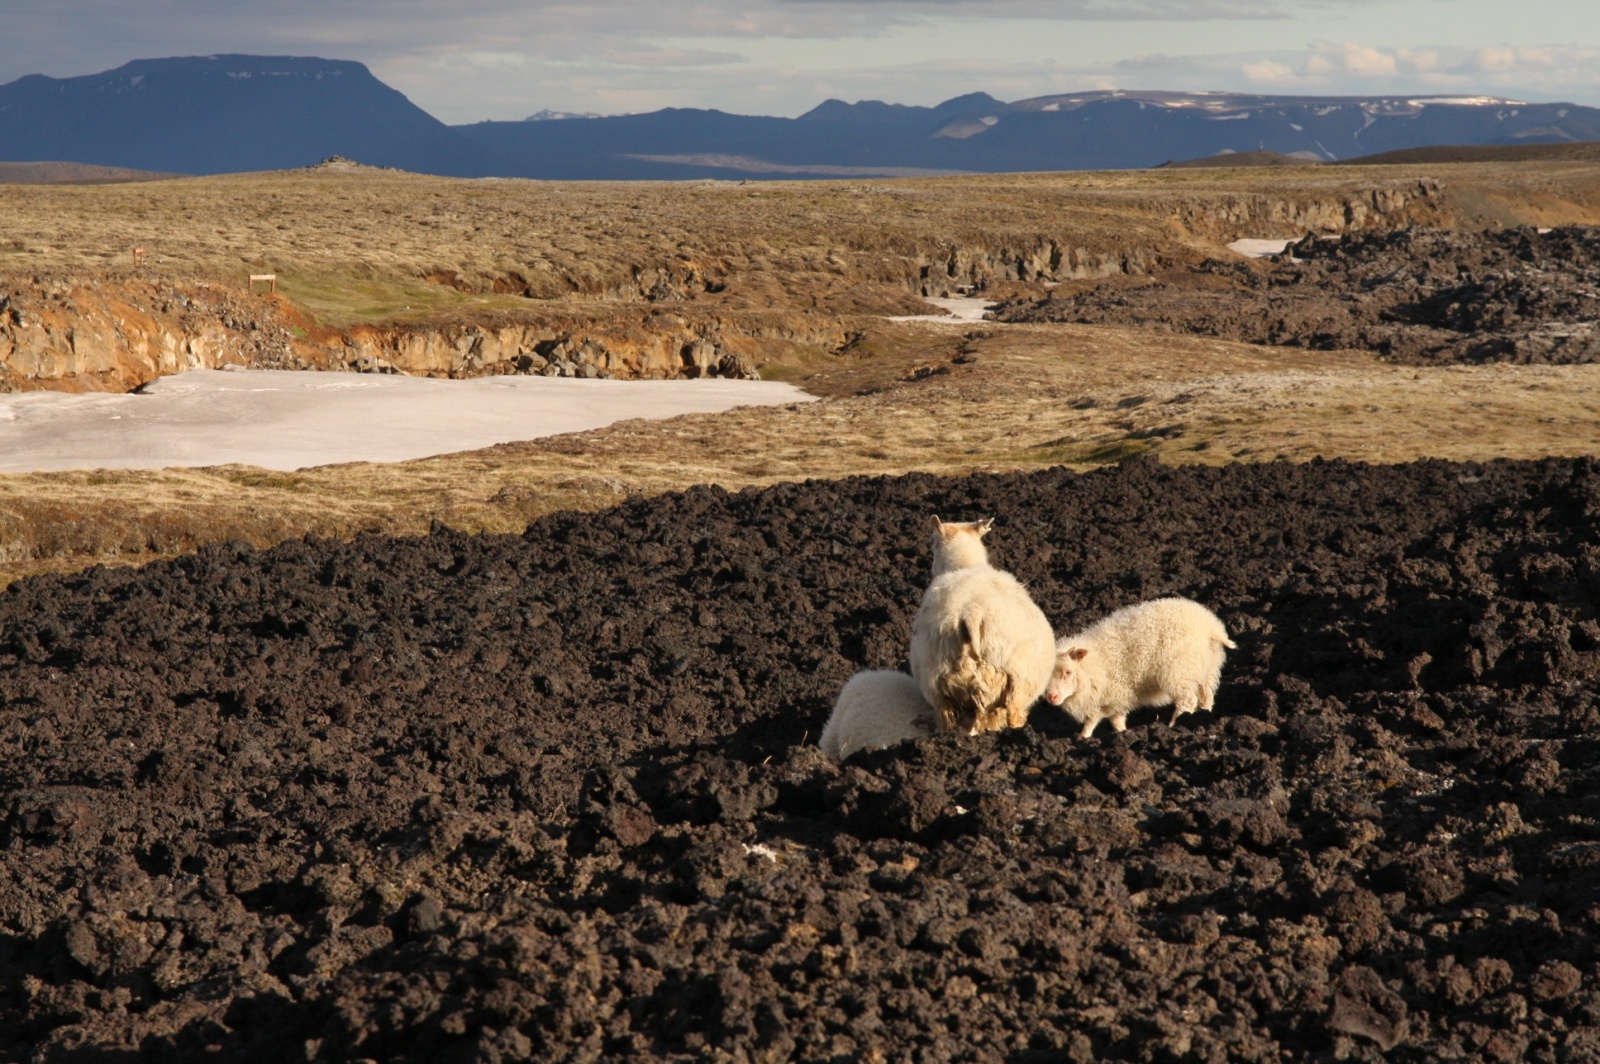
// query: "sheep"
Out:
[981,650]
[874,710]
[1167,650]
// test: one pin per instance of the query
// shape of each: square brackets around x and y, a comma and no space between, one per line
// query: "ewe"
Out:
[981,650]
[1164,651]
[874,710]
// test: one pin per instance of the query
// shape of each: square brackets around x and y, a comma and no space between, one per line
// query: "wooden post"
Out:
[138,256]
[265,278]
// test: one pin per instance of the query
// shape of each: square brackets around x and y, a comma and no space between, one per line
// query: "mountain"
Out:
[225,113]
[978,133]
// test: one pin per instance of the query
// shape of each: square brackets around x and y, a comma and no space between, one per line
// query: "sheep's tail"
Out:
[970,629]
[1230,644]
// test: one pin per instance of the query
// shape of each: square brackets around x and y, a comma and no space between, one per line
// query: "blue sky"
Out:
[505,59]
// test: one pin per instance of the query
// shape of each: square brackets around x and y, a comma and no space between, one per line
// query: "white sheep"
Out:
[874,710]
[1154,653]
[981,650]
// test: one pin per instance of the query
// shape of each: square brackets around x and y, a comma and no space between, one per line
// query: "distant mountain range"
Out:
[228,113]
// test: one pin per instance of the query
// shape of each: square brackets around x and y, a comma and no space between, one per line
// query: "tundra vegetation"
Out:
[800,278]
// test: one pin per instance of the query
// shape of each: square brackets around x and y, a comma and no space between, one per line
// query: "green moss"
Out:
[340,300]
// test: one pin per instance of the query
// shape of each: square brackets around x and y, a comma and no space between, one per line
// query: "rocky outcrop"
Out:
[1228,217]
[679,313]
[968,269]
[73,334]
[1215,217]
[625,346]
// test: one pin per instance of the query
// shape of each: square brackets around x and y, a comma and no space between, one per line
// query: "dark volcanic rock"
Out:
[556,796]
[1415,296]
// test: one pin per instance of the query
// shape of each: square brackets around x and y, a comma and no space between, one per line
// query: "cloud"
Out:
[1351,68]
[672,57]
[509,58]
[1066,10]
[1269,72]
[1503,59]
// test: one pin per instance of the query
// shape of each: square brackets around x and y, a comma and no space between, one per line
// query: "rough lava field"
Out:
[557,796]
[1415,296]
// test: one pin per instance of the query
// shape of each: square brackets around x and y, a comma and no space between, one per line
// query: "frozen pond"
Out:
[280,419]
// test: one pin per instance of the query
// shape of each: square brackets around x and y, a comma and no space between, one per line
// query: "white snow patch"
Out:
[282,419]
[959,310]
[1257,249]
[1465,101]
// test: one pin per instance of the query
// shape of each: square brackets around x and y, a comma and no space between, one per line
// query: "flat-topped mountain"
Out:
[225,113]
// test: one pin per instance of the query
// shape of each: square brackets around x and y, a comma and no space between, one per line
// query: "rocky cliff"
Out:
[657,317]
[104,334]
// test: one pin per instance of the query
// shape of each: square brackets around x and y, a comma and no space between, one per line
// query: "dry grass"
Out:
[365,245]
[385,246]
[1022,397]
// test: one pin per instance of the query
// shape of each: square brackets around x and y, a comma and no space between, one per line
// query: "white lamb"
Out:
[1151,654]
[874,710]
[981,650]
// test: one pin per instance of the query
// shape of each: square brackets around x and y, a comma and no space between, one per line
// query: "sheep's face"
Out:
[959,544]
[967,720]
[1068,676]
[961,719]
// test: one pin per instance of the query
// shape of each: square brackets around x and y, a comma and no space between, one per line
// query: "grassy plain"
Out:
[372,246]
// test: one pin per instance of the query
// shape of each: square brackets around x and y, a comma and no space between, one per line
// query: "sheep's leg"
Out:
[1208,695]
[1119,722]
[1090,725]
[1186,704]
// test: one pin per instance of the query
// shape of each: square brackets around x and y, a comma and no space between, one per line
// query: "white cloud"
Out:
[672,57]
[508,58]
[1361,60]
[1271,73]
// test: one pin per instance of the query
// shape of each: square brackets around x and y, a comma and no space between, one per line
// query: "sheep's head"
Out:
[968,719]
[1068,676]
[959,544]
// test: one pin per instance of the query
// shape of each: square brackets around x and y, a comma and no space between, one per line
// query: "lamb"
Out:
[874,710]
[1168,650]
[981,650]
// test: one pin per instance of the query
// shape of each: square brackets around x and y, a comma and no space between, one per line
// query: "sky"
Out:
[472,60]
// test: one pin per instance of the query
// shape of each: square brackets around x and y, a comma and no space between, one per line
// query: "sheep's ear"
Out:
[945,531]
[984,526]
[1078,653]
